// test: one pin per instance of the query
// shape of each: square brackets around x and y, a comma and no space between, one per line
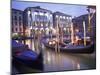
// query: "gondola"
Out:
[22,55]
[69,48]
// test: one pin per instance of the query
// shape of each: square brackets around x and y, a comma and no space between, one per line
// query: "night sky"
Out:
[73,10]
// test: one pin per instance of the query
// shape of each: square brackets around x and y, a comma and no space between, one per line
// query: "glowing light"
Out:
[63,17]
[41,14]
[53,42]
[42,25]
[46,14]
[29,12]
[50,15]
[50,43]
[36,28]
[64,29]
[56,16]
[35,13]
[70,18]
[41,29]
[66,17]
[47,29]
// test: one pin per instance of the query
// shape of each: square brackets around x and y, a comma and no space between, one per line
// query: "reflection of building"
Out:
[36,18]
[78,23]
[17,21]
[64,20]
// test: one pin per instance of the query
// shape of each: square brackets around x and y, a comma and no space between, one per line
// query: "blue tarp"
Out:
[27,55]
[15,44]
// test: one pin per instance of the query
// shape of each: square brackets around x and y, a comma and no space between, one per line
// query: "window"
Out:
[16,23]
[12,22]
[19,18]
[16,29]
[20,29]
[15,17]
[15,12]
[12,29]
[20,23]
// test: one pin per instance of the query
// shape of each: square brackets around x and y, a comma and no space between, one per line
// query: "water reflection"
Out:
[54,61]
[62,61]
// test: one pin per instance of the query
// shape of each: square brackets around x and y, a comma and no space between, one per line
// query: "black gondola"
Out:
[89,48]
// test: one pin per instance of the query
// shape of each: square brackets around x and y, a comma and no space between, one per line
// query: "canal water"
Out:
[54,61]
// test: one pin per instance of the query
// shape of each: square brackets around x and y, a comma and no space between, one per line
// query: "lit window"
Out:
[66,17]
[41,14]
[63,17]
[50,15]
[60,16]
[70,18]
[46,14]
[56,16]
[29,12]
[42,25]
[35,13]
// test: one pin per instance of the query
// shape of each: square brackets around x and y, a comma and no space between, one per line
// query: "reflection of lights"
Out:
[46,24]
[42,25]
[30,27]
[77,30]
[77,38]
[41,29]
[78,66]
[51,27]
[36,28]
[47,29]
[54,31]
[48,57]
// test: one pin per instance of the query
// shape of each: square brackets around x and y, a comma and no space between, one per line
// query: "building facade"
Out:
[17,21]
[78,24]
[63,20]
[36,18]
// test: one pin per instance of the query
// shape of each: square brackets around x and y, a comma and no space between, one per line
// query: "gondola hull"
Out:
[85,49]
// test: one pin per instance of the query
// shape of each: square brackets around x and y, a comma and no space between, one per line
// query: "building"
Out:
[17,21]
[78,24]
[63,20]
[36,18]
